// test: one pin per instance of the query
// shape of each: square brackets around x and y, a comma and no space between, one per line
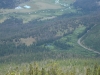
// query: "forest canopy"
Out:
[87,5]
[10,4]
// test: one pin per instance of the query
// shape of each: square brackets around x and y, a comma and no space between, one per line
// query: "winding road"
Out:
[79,42]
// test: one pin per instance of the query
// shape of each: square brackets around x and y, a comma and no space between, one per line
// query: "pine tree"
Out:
[95,69]
[36,71]
[30,69]
[99,70]
[43,71]
[88,71]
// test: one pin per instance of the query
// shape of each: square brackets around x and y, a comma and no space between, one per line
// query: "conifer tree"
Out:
[30,69]
[43,71]
[88,71]
[99,70]
[95,69]
[36,71]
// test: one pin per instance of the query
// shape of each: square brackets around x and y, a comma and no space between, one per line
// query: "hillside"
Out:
[91,35]
[91,39]
[62,36]
[5,4]
[87,5]
[44,38]
[38,32]
[43,9]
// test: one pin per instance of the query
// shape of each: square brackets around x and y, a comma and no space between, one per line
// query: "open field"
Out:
[39,9]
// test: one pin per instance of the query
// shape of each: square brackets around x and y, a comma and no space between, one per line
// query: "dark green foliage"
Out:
[62,45]
[87,5]
[44,32]
[7,4]
[99,70]
[14,29]
[88,72]
[95,71]
[43,72]
[10,4]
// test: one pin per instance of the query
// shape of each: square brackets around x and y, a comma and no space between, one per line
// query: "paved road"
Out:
[79,42]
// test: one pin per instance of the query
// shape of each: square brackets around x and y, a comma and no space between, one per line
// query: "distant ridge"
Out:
[10,4]
[87,5]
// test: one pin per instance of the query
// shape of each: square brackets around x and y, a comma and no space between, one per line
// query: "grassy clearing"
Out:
[28,41]
[2,19]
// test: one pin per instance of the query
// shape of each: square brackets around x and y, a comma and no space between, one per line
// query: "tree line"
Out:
[10,4]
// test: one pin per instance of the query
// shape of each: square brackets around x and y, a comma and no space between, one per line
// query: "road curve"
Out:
[79,42]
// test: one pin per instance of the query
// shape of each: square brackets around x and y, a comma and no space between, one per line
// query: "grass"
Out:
[27,41]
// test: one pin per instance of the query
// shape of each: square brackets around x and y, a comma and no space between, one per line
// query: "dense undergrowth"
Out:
[58,67]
